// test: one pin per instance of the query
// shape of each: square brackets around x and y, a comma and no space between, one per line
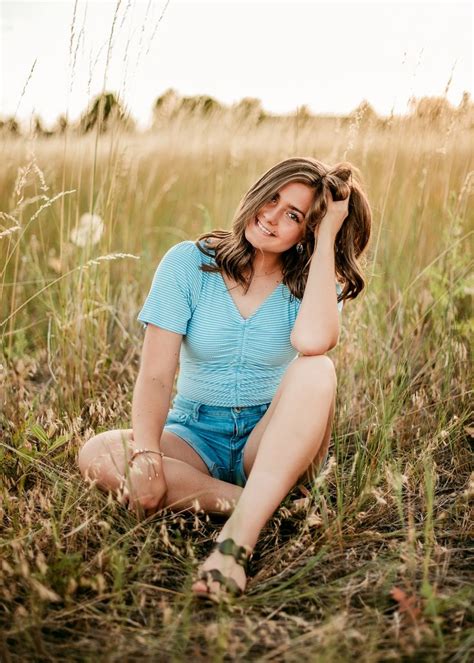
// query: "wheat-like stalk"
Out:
[50,202]
[9,231]
[9,217]
[110,256]
[89,263]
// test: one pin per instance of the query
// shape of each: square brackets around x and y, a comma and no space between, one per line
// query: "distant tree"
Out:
[364,113]
[104,111]
[165,107]
[170,104]
[10,125]
[249,109]
[201,104]
[38,129]
[430,110]
[303,113]
[61,125]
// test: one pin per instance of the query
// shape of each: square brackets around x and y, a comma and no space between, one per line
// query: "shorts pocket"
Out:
[178,416]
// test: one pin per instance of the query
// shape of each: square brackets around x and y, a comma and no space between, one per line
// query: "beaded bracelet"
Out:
[137,452]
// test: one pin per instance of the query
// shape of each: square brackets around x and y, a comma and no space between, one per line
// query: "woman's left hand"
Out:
[337,212]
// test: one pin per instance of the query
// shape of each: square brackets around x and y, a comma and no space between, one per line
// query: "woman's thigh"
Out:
[297,370]
[104,456]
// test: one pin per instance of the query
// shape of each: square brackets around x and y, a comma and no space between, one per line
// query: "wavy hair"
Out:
[234,254]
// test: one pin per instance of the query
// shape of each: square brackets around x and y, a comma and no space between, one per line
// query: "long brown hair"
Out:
[234,254]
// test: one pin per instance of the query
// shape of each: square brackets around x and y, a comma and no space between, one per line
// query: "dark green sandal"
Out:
[241,556]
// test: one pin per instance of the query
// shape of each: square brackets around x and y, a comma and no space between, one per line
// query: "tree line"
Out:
[107,110]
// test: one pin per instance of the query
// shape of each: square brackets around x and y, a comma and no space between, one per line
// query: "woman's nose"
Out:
[270,215]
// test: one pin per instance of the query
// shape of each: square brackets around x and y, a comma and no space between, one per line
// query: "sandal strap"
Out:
[241,554]
[229,583]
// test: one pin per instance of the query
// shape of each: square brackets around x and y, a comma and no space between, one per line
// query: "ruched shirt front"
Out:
[225,359]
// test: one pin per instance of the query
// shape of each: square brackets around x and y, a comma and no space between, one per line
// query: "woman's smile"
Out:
[263,229]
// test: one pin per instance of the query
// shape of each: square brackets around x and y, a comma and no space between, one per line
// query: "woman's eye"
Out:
[293,216]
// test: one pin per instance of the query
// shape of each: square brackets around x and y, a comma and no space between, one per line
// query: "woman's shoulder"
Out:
[186,246]
[186,249]
[182,259]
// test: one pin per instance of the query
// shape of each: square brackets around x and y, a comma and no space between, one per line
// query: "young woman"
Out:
[250,314]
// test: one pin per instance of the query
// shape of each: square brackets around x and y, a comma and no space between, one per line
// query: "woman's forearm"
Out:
[150,405]
[316,329]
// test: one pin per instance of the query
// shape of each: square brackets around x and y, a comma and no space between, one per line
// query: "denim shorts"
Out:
[216,433]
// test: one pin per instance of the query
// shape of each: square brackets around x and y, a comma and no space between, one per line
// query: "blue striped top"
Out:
[225,359]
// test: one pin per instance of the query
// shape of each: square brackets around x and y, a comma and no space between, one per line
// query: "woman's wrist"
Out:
[138,451]
[144,440]
[325,240]
[146,461]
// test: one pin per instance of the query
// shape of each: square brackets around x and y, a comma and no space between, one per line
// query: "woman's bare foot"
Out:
[229,568]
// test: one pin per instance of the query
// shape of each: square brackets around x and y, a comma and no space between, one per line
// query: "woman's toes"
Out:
[200,587]
[228,567]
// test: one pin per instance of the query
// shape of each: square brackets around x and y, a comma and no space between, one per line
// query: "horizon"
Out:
[23,123]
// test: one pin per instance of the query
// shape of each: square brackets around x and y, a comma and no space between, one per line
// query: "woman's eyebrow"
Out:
[296,209]
[277,194]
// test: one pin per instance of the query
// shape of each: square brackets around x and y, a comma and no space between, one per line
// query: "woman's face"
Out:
[279,224]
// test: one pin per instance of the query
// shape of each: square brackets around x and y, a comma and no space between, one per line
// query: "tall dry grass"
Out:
[371,561]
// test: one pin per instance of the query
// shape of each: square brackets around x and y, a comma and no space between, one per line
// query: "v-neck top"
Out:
[225,359]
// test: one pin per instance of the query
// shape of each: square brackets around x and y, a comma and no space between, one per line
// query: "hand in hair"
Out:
[336,213]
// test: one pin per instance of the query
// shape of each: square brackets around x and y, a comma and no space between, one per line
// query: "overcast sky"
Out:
[327,55]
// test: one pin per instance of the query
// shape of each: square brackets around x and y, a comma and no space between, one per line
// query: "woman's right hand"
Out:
[145,486]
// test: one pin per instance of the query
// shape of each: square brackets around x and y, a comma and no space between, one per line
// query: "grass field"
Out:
[371,562]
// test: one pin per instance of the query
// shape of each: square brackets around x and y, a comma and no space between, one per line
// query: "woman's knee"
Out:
[102,457]
[315,370]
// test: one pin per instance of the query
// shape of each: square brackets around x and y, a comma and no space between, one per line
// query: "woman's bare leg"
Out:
[189,484]
[284,445]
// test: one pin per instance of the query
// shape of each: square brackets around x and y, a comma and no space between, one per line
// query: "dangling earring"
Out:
[299,248]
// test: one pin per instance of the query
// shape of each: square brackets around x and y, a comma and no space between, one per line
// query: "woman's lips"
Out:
[259,226]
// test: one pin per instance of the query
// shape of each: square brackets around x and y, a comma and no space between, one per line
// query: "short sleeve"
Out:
[338,291]
[175,289]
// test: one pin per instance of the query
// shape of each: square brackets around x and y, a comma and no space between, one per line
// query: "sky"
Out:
[329,56]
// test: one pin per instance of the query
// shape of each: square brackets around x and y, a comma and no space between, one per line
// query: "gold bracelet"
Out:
[137,452]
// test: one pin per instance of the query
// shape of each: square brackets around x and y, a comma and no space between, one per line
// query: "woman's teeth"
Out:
[264,230]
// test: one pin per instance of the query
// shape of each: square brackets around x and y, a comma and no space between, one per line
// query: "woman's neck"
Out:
[262,266]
